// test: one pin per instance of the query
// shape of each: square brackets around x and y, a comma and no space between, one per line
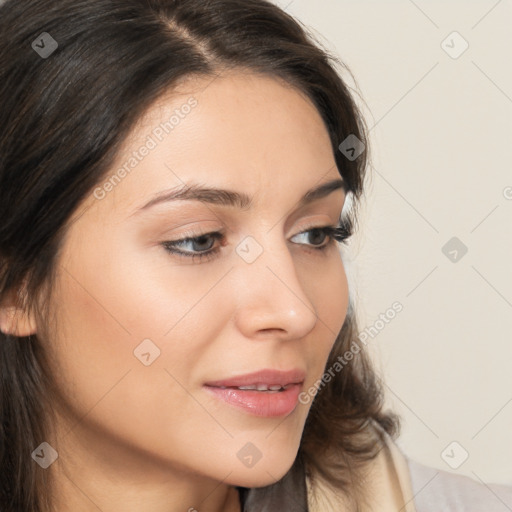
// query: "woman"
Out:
[174,304]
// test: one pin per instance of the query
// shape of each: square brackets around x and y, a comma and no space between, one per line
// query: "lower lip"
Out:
[260,403]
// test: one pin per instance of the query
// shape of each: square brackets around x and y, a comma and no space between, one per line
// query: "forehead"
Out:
[243,131]
[237,103]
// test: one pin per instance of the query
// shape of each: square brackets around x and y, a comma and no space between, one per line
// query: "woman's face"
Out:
[142,330]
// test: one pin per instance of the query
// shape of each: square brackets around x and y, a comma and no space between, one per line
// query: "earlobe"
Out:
[15,320]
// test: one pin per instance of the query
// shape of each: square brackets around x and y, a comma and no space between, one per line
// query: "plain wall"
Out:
[441,145]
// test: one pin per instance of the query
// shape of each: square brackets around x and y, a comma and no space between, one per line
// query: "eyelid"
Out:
[314,224]
[335,233]
[191,234]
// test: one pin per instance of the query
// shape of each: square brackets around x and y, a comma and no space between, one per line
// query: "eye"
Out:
[316,236]
[201,246]
[201,243]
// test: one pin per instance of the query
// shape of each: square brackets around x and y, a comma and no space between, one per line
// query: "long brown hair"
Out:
[64,116]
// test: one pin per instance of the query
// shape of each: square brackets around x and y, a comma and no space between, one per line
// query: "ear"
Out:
[14,319]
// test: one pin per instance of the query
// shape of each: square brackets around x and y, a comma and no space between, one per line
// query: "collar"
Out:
[387,486]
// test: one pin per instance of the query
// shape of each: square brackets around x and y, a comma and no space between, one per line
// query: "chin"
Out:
[258,479]
[264,472]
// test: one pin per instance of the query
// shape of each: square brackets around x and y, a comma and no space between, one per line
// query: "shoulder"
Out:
[435,490]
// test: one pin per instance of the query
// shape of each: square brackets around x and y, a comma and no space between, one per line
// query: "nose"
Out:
[271,298]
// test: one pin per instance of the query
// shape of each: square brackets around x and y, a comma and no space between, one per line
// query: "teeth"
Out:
[261,387]
[255,387]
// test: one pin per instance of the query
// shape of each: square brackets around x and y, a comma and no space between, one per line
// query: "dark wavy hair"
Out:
[62,122]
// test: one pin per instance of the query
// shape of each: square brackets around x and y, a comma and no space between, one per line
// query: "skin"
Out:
[133,437]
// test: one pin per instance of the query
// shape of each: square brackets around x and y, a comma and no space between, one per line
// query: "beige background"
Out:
[441,135]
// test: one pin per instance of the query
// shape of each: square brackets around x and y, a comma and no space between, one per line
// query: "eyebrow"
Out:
[225,197]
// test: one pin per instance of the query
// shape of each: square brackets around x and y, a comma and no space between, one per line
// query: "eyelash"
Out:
[339,233]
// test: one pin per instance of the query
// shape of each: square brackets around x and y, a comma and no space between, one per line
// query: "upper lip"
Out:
[266,376]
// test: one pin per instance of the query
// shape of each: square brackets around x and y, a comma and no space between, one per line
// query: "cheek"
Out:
[333,294]
[92,347]
[115,312]
[105,387]
[330,291]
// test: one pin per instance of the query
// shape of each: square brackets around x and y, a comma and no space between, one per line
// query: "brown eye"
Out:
[198,246]
[317,236]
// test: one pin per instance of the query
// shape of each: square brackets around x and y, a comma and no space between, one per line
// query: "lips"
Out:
[265,393]
[262,380]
